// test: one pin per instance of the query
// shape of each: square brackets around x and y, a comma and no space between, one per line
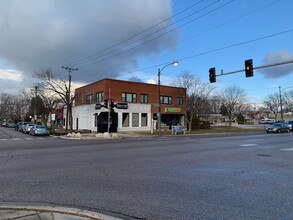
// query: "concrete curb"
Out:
[49,212]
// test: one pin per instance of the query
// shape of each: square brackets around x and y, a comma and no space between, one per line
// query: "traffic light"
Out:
[105,103]
[112,105]
[212,75]
[248,68]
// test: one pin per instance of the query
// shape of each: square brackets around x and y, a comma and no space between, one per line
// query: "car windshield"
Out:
[277,125]
[40,126]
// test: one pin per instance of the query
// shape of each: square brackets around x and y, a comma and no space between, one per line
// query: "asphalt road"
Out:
[246,176]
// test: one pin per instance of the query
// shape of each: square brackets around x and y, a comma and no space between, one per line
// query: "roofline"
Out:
[105,79]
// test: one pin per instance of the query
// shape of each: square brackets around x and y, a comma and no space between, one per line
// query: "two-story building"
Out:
[143,105]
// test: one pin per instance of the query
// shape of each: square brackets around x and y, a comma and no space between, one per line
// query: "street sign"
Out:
[98,106]
[121,105]
[157,105]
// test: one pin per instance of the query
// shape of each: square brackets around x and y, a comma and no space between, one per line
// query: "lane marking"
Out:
[3,139]
[248,145]
[16,139]
[287,149]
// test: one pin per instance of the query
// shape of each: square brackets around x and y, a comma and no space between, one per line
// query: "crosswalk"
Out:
[21,139]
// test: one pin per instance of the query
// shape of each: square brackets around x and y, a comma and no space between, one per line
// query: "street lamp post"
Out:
[281,103]
[174,63]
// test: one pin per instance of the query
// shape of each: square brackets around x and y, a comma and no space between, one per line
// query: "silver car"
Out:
[26,128]
[290,124]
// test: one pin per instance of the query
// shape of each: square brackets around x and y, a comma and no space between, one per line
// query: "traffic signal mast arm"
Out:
[257,67]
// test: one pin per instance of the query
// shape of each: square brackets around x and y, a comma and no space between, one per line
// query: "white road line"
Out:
[16,139]
[248,145]
[287,149]
[3,139]
[255,140]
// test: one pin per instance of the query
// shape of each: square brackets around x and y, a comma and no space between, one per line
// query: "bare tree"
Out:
[288,101]
[197,94]
[12,107]
[215,104]
[51,84]
[233,99]
[272,102]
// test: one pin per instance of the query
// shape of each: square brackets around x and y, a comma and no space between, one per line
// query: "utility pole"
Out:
[35,107]
[69,69]
[281,105]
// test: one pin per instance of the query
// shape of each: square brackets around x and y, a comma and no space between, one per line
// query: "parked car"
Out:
[17,126]
[290,124]
[38,130]
[20,128]
[266,121]
[26,129]
[11,124]
[278,128]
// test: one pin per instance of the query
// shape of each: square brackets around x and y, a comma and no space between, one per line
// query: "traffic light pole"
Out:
[109,110]
[257,67]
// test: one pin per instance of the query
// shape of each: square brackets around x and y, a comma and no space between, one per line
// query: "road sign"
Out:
[157,105]
[121,105]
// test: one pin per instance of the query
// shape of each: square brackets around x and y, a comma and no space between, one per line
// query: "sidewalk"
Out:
[49,213]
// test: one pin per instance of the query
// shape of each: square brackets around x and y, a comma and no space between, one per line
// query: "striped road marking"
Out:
[248,145]
[287,149]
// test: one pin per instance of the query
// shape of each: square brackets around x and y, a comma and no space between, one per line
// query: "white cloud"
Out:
[278,71]
[11,75]
[40,34]
[151,81]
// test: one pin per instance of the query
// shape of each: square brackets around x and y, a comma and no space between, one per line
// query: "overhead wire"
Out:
[215,50]
[136,35]
[180,26]
[218,26]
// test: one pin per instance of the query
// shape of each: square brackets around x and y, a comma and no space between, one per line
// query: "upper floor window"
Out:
[100,96]
[89,99]
[143,98]
[166,100]
[128,97]
[179,101]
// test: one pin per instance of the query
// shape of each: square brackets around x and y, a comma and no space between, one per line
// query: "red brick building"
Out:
[142,99]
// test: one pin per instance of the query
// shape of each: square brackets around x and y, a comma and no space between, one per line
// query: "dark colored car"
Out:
[278,128]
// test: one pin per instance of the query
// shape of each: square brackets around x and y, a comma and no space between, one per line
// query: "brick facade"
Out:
[174,97]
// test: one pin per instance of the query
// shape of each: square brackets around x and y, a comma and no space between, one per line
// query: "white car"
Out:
[266,121]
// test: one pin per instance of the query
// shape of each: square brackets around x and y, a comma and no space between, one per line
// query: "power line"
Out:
[102,60]
[218,26]
[139,33]
[216,50]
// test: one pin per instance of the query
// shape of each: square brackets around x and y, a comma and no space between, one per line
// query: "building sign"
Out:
[121,105]
[172,109]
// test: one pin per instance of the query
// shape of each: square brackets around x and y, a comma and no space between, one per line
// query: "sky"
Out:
[131,39]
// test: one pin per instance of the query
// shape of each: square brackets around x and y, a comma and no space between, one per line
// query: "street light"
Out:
[281,104]
[174,63]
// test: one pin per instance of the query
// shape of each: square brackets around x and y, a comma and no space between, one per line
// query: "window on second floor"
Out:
[128,97]
[166,100]
[100,97]
[89,99]
[179,101]
[143,98]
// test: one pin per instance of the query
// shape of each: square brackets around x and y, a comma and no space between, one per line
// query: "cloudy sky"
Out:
[131,39]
